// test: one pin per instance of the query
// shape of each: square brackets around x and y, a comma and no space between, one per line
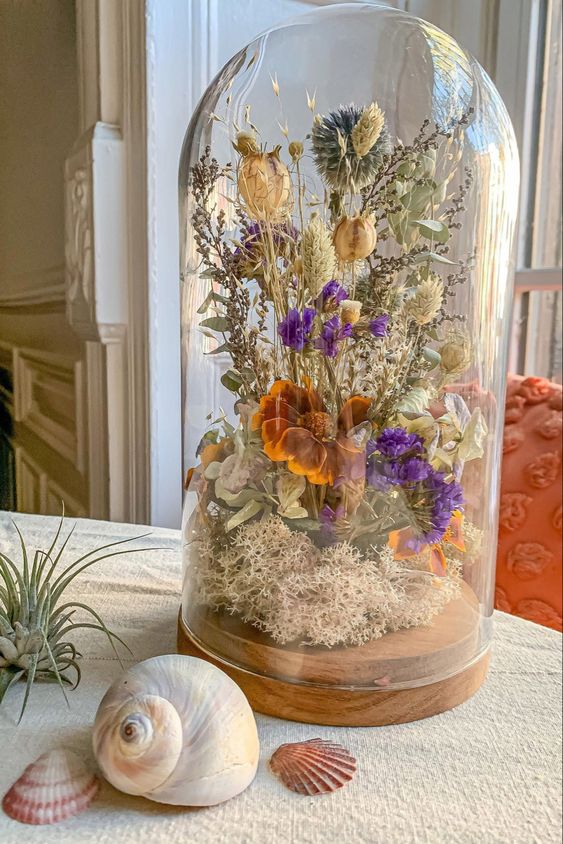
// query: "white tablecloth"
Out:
[488,771]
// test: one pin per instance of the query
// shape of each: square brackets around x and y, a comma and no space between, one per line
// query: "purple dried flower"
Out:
[331,336]
[382,474]
[379,326]
[371,446]
[328,516]
[390,460]
[413,470]
[393,442]
[280,234]
[396,459]
[295,329]
[331,296]
[440,498]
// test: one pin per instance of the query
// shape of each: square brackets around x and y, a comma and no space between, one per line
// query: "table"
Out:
[488,771]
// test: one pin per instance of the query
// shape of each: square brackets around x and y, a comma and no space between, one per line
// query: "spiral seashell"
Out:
[313,767]
[53,788]
[176,730]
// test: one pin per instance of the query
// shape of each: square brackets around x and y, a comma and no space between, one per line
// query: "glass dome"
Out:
[348,191]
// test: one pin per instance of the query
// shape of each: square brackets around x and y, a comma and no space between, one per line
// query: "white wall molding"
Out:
[95,423]
[136,231]
[106,248]
[95,251]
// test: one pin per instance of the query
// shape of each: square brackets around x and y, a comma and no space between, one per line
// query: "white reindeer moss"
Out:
[279,581]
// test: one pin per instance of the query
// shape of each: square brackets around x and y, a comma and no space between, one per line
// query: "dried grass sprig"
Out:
[368,129]
[318,255]
[426,303]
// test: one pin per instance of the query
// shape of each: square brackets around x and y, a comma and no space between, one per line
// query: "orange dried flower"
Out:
[435,557]
[296,428]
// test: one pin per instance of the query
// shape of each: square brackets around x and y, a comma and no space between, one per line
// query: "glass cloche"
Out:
[348,191]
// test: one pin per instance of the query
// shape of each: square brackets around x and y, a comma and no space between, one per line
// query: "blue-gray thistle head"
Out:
[349,145]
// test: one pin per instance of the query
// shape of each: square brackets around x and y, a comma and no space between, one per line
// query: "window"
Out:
[536,341]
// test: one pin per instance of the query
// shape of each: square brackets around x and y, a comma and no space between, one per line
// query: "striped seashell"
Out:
[313,767]
[55,787]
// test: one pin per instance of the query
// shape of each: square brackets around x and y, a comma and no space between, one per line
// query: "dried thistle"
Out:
[427,301]
[335,155]
[368,129]
[34,622]
[317,254]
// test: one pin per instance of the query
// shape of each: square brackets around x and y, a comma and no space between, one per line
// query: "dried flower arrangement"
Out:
[35,620]
[331,511]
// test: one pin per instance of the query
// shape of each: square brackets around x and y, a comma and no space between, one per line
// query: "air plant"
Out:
[35,620]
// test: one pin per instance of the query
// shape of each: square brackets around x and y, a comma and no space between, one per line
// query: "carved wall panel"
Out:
[37,492]
[48,401]
[29,481]
[80,293]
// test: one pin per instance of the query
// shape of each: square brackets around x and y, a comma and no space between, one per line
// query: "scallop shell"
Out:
[313,767]
[177,730]
[55,787]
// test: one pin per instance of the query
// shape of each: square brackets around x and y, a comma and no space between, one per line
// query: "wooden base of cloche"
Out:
[324,686]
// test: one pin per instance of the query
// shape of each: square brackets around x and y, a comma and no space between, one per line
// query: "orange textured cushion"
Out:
[528,579]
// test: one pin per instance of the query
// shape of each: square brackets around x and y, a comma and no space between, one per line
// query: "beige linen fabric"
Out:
[488,771]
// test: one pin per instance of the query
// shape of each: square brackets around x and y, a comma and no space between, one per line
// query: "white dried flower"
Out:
[427,301]
[350,310]
[318,255]
[368,129]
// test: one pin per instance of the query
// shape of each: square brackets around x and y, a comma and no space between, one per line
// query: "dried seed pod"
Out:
[354,238]
[264,184]
[318,255]
[295,150]
[455,354]
[246,143]
[427,300]
[368,129]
